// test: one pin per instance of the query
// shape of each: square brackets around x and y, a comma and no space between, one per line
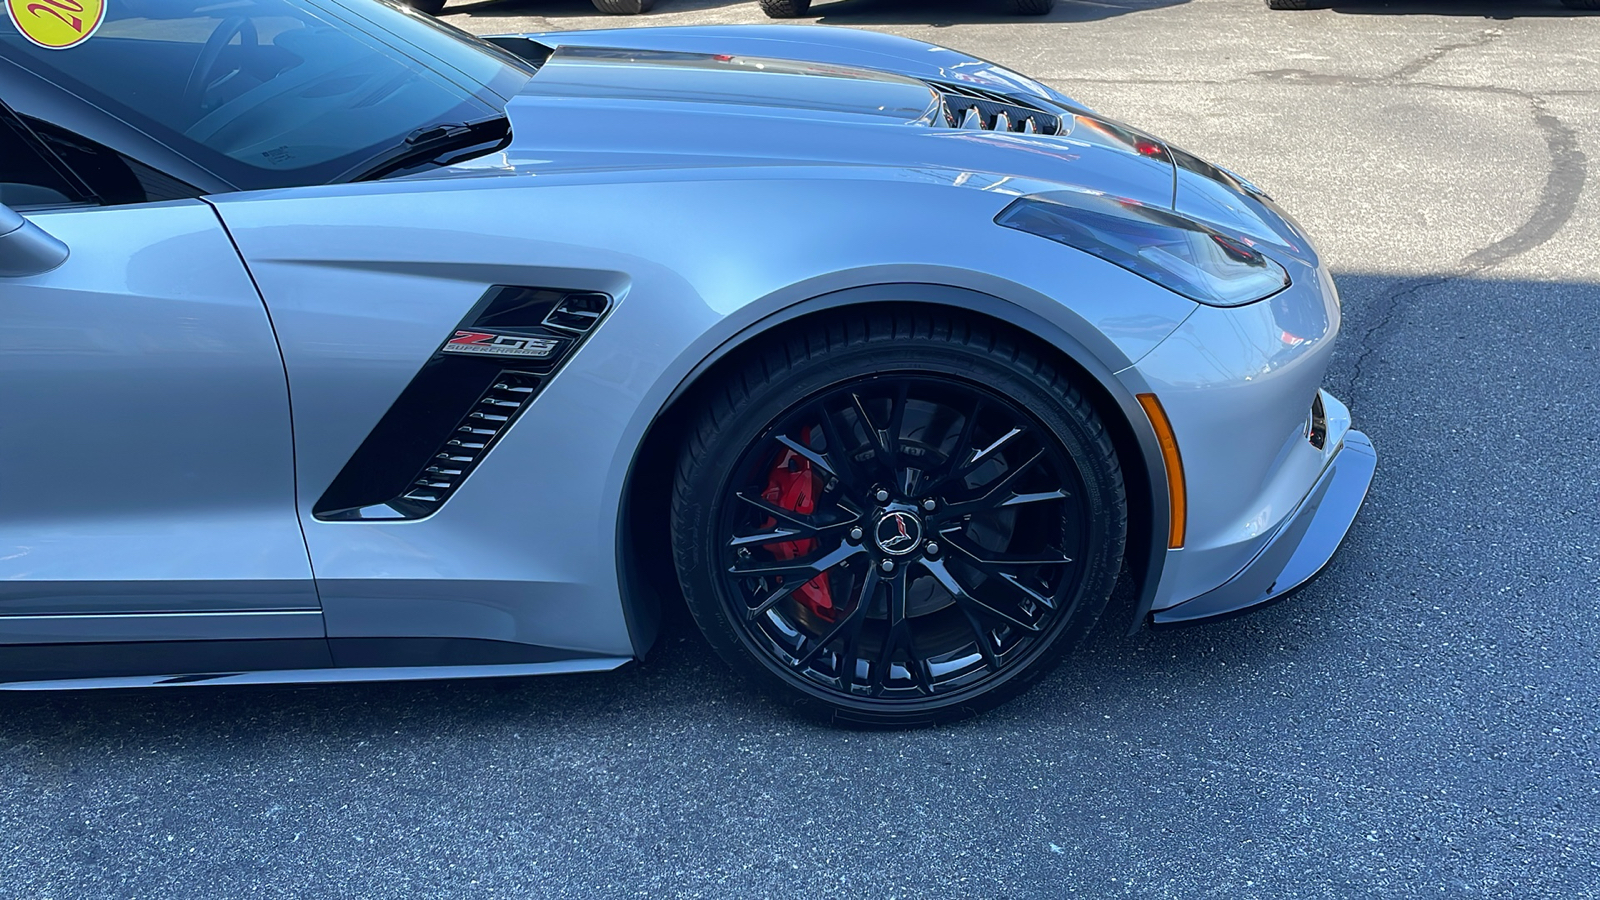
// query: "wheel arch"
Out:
[645,570]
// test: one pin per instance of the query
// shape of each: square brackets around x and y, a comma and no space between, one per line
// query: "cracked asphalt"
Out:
[1421,722]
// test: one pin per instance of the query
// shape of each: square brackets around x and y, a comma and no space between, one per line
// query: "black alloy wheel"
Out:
[899,520]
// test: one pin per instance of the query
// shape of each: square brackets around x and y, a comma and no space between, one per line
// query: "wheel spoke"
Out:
[849,627]
[1052,558]
[999,442]
[798,520]
[844,467]
[769,537]
[896,633]
[968,429]
[815,457]
[772,570]
[906,478]
[797,526]
[948,581]
[992,569]
[1026,591]
[985,644]
[958,468]
[880,453]
[897,414]
[793,574]
[1035,497]
[999,494]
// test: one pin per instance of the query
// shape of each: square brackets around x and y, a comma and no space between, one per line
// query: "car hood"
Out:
[594,108]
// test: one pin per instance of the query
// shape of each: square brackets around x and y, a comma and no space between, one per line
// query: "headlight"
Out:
[1174,251]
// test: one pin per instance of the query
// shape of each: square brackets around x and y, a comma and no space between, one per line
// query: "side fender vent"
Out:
[461,403]
[472,439]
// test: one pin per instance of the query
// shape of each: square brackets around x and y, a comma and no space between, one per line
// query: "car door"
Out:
[146,458]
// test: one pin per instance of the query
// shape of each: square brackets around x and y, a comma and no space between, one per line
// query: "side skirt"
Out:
[294,661]
[327,676]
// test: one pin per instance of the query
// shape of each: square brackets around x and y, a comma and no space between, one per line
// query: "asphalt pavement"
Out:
[1421,722]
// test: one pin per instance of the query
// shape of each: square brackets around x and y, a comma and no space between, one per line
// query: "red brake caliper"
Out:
[793,486]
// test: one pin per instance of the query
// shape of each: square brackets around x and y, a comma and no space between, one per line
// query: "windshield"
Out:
[272,93]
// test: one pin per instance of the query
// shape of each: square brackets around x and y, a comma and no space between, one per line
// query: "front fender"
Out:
[1111,382]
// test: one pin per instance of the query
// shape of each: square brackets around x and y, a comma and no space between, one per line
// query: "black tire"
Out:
[956,650]
[624,7]
[1581,4]
[1031,7]
[431,7]
[785,9]
[1296,4]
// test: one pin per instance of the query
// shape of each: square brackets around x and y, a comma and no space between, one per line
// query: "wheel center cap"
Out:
[897,533]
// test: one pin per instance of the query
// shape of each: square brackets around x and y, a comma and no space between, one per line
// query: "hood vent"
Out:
[976,109]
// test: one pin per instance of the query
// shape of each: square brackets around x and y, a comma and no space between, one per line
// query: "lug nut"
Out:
[882,495]
[932,549]
[887,565]
[856,534]
[929,505]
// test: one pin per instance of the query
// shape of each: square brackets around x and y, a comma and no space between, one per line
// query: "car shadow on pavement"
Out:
[1482,9]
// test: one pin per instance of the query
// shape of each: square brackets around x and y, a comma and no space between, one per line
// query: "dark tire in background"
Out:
[1031,7]
[431,7]
[785,9]
[896,519]
[624,7]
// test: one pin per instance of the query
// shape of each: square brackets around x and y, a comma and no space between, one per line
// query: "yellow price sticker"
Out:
[57,24]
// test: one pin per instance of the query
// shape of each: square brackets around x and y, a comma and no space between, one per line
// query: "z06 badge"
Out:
[486,344]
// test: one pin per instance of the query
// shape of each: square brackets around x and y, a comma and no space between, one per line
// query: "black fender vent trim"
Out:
[462,401]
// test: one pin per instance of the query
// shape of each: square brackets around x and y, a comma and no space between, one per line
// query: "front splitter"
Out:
[1300,549]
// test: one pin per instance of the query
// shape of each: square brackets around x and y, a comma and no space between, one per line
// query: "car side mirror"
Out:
[25,248]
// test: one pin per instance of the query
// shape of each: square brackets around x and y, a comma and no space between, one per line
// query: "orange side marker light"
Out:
[1177,491]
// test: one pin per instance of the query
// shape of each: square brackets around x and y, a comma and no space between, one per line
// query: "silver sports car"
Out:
[336,344]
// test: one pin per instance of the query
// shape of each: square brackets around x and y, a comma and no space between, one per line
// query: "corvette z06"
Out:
[337,344]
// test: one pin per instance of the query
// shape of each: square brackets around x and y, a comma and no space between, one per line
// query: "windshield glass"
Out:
[272,93]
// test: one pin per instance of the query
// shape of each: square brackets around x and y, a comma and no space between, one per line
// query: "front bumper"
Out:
[1302,546]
